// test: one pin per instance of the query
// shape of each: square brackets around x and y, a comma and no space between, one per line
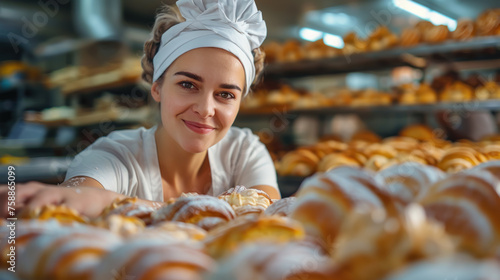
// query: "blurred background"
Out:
[70,73]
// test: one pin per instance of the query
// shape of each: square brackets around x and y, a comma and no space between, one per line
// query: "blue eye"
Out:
[226,95]
[187,85]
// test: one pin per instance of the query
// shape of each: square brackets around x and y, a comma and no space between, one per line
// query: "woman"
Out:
[200,70]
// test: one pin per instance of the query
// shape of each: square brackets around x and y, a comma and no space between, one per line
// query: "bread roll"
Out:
[436,34]
[301,162]
[410,37]
[488,22]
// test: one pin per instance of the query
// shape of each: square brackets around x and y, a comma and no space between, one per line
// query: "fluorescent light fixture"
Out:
[333,41]
[425,13]
[310,34]
[330,18]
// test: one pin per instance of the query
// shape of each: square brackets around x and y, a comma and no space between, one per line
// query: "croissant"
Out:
[418,131]
[459,158]
[436,34]
[71,253]
[488,22]
[174,231]
[468,206]
[381,38]
[272,262]
[324,200]
[300,162]
[124,226]
[281,207]
[204,211]
[410,37]
[249,229]
[246,201]
[61,213]
[154,259]
[466,29]
[131,207]
[409,181]
[335,160]
[401,144]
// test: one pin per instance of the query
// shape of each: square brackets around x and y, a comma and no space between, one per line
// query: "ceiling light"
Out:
[425,13]
[335,19]
[310,34]
[333,41]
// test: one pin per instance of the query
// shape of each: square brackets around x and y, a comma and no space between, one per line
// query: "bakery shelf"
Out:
[490,105]
[479,48]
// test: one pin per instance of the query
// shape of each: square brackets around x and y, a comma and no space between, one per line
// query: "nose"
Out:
[205,106]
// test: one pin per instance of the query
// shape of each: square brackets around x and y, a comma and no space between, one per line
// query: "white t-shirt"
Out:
[126,161]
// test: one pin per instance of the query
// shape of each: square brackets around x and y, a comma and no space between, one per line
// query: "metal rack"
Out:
[480,48]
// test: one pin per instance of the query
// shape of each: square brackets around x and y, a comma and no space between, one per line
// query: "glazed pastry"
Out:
[26,230]
[418,131]
[410,37]
[426,94]
[490,90]
[249,229]
[71,253]
[457,92]
[436,34]
[132,207]
[324,148]
[381,38]
[246,201]
[300,162]
[493,167]
[488,23]
[174,232]
[353,44]
[154,259]
[468,206]
[291,51]
[380,149]
[61,213]
[332,161]
[372,244]
[324,200]
[272,262]
[367,136]
[204,211]
[460,158]
[409,181]
[466,29]
[424,26]
[452,267]
[124,226]
[281,207]
[401,143]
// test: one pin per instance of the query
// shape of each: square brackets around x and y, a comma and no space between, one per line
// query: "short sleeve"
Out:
[254,165]
[102,166]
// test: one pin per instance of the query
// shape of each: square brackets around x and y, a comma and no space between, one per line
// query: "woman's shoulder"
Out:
[239,136]
[131,140]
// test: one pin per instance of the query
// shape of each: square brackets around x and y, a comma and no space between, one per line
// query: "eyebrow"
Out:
[200,79]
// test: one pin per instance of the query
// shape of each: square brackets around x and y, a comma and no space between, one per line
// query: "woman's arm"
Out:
[271,191]
[84,194]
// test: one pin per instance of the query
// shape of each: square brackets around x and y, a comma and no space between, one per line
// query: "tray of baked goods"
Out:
[449,91]
[416,46]
[408,221]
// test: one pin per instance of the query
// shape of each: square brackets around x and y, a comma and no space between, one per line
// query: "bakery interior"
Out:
[395,88]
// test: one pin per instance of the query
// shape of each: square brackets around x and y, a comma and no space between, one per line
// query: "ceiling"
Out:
[283,17]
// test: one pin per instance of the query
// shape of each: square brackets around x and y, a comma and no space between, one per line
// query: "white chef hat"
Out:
[233,25]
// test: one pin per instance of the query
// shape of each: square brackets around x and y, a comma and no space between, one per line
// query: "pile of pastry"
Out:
[410,221]
[415,143]
[449,87]
[381,38]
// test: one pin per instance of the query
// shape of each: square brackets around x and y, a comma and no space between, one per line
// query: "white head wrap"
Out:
[233,25]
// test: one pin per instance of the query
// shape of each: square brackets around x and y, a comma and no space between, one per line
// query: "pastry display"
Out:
[466,29]
[381,38]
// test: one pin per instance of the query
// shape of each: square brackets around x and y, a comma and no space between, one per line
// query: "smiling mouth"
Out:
[198,127]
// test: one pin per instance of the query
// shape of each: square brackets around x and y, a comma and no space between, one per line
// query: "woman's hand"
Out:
[88,201]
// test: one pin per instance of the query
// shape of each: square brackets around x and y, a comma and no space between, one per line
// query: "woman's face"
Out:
[200,97]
